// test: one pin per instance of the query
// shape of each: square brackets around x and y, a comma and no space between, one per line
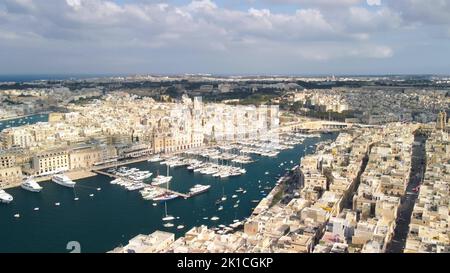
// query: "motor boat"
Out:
[5,197]
[31,185]
[63,180]
[197,189]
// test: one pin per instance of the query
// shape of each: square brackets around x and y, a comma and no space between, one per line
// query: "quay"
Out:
[185,196]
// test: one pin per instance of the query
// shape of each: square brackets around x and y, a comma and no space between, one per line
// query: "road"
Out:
[405,210]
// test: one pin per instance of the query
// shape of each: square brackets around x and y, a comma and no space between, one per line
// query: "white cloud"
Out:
[206,30]
[425,12]
[374,2]
[76,4]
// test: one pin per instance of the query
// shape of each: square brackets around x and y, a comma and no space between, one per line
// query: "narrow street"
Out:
[405,210]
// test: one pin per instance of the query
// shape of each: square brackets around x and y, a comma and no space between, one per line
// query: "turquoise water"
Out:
[113,215]
[23,121]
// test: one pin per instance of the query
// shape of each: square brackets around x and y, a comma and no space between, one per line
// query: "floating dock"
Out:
[185,196]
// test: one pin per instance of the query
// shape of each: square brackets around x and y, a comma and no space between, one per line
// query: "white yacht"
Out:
[141,175]
[136,186]
[156,158]
[161,179]
[31,185]
[63,180]
[5,197]
[197,189]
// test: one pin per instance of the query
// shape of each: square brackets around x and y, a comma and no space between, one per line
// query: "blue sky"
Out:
[225,37]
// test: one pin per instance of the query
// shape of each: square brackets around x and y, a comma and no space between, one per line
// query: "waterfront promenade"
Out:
[85,173]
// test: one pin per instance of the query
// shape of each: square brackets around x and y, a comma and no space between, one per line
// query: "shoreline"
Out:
[75,175]
[23,116]
[81,174]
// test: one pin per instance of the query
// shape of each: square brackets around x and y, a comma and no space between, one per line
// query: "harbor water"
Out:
[112,216]
[23,121]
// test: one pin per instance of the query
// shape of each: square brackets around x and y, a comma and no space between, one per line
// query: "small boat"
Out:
[91,195]
[36,209]
[236,205]
[180,227]
[167,217]
[214,218]
[266,173]
[99,189]
[205,218]
[240,190]
[234,196]
[17,215]
[115,181]
[5,197]
[76,199]
[168,225]
[220,208]
[154,204]
[57,204]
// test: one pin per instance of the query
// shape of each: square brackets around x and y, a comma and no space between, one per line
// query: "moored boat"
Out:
[31,185]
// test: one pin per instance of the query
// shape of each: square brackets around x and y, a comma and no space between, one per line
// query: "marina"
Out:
[24,120]
[101,220]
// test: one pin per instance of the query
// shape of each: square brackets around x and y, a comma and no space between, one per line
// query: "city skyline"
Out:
[292,37]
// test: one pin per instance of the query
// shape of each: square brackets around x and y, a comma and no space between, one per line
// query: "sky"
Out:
[277,37]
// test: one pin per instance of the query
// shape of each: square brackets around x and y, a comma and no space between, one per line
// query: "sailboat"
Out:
[166,196]
[161,179]
[167,217]
[224,197]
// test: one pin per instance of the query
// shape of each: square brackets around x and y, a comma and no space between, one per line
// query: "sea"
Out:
[113,215]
